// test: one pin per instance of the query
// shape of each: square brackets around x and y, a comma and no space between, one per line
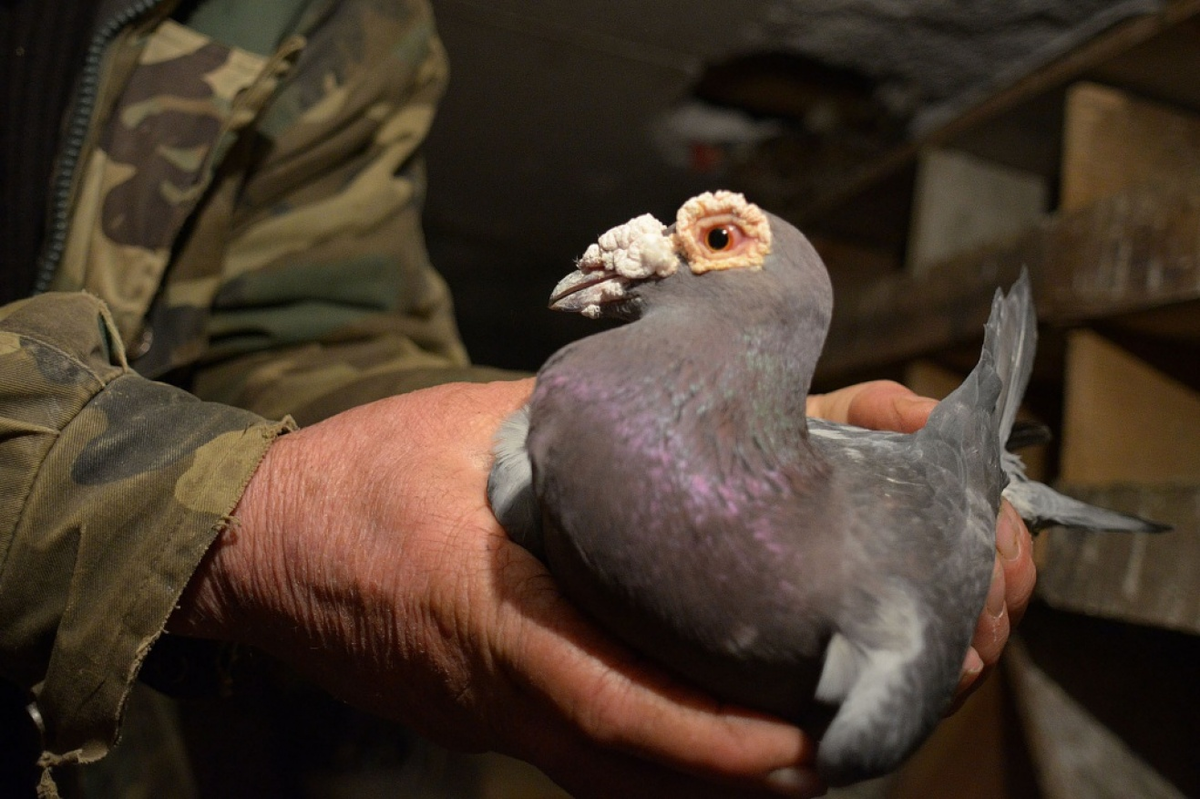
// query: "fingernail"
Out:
[1007,540]
[972,664]
[917,406]
[995,597]
[917,401]
[792,781]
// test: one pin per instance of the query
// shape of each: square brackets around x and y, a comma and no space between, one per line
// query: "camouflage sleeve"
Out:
[114,488]
[328,298]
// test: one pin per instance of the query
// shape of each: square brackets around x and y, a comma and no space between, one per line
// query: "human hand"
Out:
[367,556]
[885,405]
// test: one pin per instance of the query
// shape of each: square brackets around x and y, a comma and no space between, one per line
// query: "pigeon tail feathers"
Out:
[1011,333]
[1041,506]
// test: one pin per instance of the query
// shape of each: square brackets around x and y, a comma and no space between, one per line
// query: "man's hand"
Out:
[366,555]
[884,405]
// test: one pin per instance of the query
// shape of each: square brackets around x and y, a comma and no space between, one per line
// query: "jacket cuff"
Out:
[120,486]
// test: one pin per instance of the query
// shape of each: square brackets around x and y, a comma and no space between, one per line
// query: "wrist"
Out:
[220,600]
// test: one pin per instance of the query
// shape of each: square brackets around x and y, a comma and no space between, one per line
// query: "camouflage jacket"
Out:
[236,211]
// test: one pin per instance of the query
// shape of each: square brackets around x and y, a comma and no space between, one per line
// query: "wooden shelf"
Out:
[1122,255]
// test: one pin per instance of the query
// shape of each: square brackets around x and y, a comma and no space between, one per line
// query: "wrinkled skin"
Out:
[366,555]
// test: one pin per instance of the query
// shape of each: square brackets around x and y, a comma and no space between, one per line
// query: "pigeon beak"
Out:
[585,291]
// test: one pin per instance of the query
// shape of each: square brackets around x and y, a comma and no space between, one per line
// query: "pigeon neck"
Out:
[749,376]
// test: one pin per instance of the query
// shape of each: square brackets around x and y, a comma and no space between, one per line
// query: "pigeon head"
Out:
[722,252]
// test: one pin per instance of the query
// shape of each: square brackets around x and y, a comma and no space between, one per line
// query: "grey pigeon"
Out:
[667,475]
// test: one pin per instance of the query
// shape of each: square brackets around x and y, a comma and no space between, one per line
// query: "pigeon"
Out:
[665,472]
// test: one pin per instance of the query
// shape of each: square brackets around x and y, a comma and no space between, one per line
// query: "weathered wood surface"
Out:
[963,202]
[1137,251]
[1143,578]
[1123,420]
[1113,140]
[1074,754]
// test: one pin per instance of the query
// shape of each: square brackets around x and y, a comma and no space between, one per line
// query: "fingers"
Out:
[877,405]
[1013,579]
[591,760]
[587,774]
[573,759]
[992,629]
[1014,546]
[991,634]
[616,703]
[617,753]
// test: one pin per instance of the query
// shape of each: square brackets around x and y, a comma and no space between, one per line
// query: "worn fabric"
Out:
[243,213]
[304,228]
[115,486]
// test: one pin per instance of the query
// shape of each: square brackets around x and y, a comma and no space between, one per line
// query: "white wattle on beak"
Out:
[640,249]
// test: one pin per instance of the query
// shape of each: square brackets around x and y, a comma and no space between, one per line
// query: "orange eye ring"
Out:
[722,231]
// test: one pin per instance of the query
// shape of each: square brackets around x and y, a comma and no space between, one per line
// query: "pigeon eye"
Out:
[722,237]
[718,239]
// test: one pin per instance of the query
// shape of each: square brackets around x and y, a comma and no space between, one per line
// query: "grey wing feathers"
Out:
[510,484]
[896,654]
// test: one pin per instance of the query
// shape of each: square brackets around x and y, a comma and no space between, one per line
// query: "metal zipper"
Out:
[75,137]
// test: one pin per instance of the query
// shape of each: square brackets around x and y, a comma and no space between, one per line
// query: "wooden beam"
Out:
[1134,252]
[1124,421]
[1113,141]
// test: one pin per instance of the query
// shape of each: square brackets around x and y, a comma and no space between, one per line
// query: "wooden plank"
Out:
[1113,141]
[1129,253]
[1123,420]
[1074,753]
[1142,578]
[963,202]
